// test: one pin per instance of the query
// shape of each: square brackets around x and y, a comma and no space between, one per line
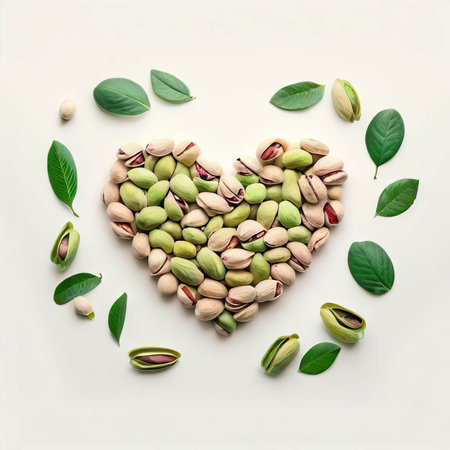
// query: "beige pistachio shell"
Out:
[312,188]
[312,215]
[333,213]
[335,178]
[223,239]
[187,295]
[246,314]
[213,204]
[160,147]
[195,218]
[140,246]
[276,237]
[300,256]
[241,294]
[186,152]
[167,284]
[208,308]
[129,150]
[315,147]
[206,169]
[271,174]
[212,289]
[335,192]
[282,272]
[270,149]
[328,164]
[118,172]
[158,262]
[268,290]
[110,193]
[236,258]
[250,230]
[231,189]
[124,230]
[118,212]
[247,165]
[318,239]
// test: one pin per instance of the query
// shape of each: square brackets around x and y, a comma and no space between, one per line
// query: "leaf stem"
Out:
[74,213]
[376,171]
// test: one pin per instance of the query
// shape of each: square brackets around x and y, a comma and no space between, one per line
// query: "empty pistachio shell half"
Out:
[65,247]
[153,358]
[280,354]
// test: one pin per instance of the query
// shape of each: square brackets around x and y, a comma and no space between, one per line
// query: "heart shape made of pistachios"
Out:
[223,243]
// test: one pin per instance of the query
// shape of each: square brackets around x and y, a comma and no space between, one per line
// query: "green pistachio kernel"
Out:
[299,234]
[267,213]
[288,214]
[184,187]
[204,185]
[161,239]
[290,189]
[173,228]
[238,278]
[184,249]
[259,268]
[255,193]
[274,193]
[237,215]
[133,196]
[150,217]
[142,177]
[157,193]
[213,224]
[247,180]
[186,271]
[194,235]
[296,159]
[165,167]
[211,263]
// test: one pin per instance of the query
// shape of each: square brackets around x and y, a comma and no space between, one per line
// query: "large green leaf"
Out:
[169,88]
[371,267]
[121,96]
[116,317]
[298,96]
[74,286]
[384,136]
[62,173]
[319,358]
[397,197]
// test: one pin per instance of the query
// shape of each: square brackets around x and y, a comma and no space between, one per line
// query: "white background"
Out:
[64,382]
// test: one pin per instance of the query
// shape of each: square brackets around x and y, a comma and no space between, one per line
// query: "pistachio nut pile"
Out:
[223,243]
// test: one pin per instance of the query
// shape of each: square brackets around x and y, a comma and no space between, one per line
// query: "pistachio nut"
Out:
[83,306]
[237,215]
[181,169]
[211,263]
[334,192]
[282,272]
[212,289]
[280,354]
[268,290]
[300,256]
[236,258]
[214,223]
[122,220]
[140,246]
[142,177]
[65,247]
[276,237]
[345,100]
[206,169]
[188,295]
[194,235]
[312,215]
[213,204]
[316,148]
[241,294]
[110,193]
[277,255]
[270,149]
[274,193]
[318,238]
[247,180]
[299,234]
[223,239]
[208,308]
[67,109]
[167,284]
[247,313]
[225,323]
[230,189]
[184,187]
[267,213]
[157,193]
[342,323]
[238,278]
[185,249]
[255,193]
[158,262]
[150,162]
[128,151]
[333,213]
[150,217]
[312,188]
[161,239]
[296,159]
[249,231]
[205,186]
[329,169]
[196,218]
[165,167]
[186,152]
[153,358]
[253,211]
[175,207]
[259,268]
[271,174]
[160,147]
[173,228]
[288,214]
[247,166]
[124,230]
[186,271]
[290,189]
[118,172]
[133,196]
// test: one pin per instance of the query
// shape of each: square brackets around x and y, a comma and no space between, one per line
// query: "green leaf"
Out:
[62,173]
[397,197]
[116,316]
[121,96]
[319,358]
[384,136]
[371,267]
[74,286]
[298,96]
[169,88]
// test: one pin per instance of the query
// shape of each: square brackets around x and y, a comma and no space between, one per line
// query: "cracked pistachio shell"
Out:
[158,262]
[250,230]
[118,212]
[299,234]
[186,152]
[118,172]
[161,239]
[222,239]
[208,308]
[173,228]
[271,174]
[186,271]
[160,147]
[241,294]
[312,215]
[213,204]
[312,188]
[188,295]
[142,177]
[164,167]
[184,187]
[110,193]
[157,193]
[205,186]
[247,180]
[129,150]
[255,193]
[237,215]
[246,314]
[175,207]
[274,193]
[225,323]
[342,323]
[300,256]
[297,159]
[133,196]
[247,166]
[290,189]
[196,218]
[277,255]
[318,239]
[124,230]
[238,278]
[230,189]
[334,192]
[328,164]
[140,246]
[65,247]
[288,214]
[153,358]
[194,235]
[333,213]
[316,148]
[83,307]
[276,237]
[185,249]
[271,148]
[280,354]
[212,289]
[214,223]
[345,100]
[206,169]
[150,217]
[268,290]
[259,268]
[236,258]
[150,162]
[211,263]
[167,284]
[282,272]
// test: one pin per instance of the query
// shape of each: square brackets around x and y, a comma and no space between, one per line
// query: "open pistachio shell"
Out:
[153,358]
[65,247]
[225,323]
[280,354]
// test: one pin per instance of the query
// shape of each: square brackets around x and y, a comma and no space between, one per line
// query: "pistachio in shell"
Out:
[280,354]
[110,193]
[186,152]
[153,358]
[65,247]
[225,323]
[160,147]
[140,246]
[188,295]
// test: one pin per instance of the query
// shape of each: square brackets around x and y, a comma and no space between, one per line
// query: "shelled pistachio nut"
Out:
[277,255]
[173,228]
[165,167]
[300,256]
[175,207]
[299,234]
[153,358]
[225,323]
[184,187]
[194,235]
[211,264]
[214,223]
[161,239]
[290,189]
[345,100]
[133,196]
[65,247]
[238,278]
[142,177]
[157,193]
[280,354]
[184,249]
[150,217]
[255,193]
[267,213]
[259,268]
[297,159]
[274,193]
[237,215]
[288,214]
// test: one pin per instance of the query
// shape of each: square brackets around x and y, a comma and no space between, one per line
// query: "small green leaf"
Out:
[384,136]
[121,96]
[371,267]
[169,88]
[397,197]
[116,316]
[62,173]
[298,96]
[319,358]
[74,286]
